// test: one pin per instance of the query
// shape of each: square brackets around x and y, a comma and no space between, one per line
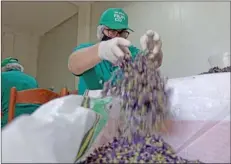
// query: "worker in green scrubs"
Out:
[12,75]
[94,63]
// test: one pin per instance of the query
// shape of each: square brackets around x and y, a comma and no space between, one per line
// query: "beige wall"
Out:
[23,46]
[191,31]
[54,50]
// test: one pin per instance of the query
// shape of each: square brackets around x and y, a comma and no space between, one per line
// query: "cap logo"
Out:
[119,16]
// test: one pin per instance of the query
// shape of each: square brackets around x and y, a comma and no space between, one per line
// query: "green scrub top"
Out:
[21,81]
[94,78]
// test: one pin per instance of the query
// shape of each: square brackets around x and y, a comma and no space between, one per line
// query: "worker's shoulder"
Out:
[83,45]
[16,75]
[5,75]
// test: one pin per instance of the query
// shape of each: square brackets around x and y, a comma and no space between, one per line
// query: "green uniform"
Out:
[21,81]
[94,78]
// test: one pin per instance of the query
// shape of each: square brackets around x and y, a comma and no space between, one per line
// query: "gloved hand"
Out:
[114,48]
[152,43]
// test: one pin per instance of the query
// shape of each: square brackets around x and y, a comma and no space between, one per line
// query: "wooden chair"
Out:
[74,92]
[64,92]
[31,96]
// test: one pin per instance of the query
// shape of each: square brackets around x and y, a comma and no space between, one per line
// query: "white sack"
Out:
[51,135]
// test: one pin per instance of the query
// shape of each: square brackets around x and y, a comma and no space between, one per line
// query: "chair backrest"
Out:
[64,92]
[73,92]
[31,96]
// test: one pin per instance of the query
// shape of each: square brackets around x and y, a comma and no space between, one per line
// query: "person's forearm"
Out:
[83,59]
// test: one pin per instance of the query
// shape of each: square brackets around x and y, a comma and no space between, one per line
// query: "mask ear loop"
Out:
[99,33]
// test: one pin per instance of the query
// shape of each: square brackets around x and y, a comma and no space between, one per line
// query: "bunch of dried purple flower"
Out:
[143,96]
[142,150]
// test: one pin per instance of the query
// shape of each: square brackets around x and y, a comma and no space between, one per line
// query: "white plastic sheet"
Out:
[53,133]
[201,123]
[201,127]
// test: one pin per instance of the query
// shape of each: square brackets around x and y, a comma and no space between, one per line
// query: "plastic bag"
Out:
[108,108]
[113,110]
[55,133]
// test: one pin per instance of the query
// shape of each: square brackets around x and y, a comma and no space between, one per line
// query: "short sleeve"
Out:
[84,45]
[81,46]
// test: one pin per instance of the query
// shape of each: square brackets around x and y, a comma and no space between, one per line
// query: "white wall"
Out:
[191,31]
[54,50]
[23,46]
[84,25]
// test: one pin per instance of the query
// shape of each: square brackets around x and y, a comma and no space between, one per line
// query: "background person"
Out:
[12,75]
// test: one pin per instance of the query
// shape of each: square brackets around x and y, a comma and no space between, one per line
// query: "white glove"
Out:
[151,42]
[114,48]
